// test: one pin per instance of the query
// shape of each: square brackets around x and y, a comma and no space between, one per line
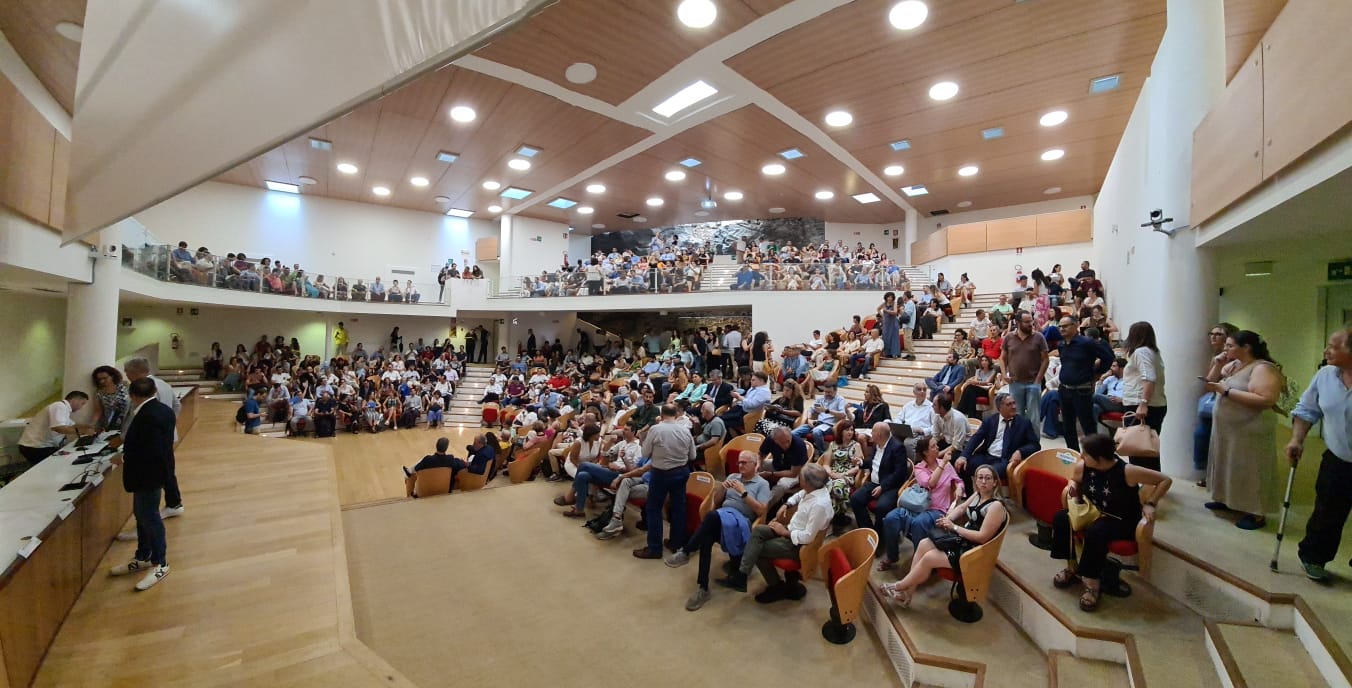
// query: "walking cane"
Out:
[1281,527]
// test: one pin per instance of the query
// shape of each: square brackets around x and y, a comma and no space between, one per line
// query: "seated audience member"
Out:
[846,461]
[756,398]
[411,292]
[181,263]
[413,406]
[436,405]
[621,458]
[51,427]
[712,429]
[482,452]
[918,414]
[438,460]
[933,472]
[299,423]
[377,290]
[785,410]
[326,414]
[1113,486]
[982,382]
[982,516]
[783,537]
[827,410]
[948,426]
[948,378]
[1002,312]
[253,409]
[873,410]
[887,468]
[358,294]
[585,450]
[1108,392]
[981,328]
[783,456]
[863,361]
[1004,439]
[741,498]
[394,294]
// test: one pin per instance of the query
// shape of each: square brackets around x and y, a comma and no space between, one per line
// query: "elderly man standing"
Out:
[742,498]
[136,369]
[147,457]
[1083,361]
[1328,398]
[783,539]
[670,449]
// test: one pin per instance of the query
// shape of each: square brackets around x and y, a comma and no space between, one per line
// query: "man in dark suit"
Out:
[1002,442]
[887,469]
[147,454]
[719,392]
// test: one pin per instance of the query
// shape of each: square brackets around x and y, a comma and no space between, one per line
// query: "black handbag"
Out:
[947,541]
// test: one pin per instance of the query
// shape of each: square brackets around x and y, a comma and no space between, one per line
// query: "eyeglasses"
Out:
[1216,334]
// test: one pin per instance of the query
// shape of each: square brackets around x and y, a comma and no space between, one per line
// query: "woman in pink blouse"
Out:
[934,473]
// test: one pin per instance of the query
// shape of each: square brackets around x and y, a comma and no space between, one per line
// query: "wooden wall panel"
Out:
[930,248]
[35,600]
[1305,58]
[969,238]
[1012,233]
[486,249]
[27,143]
[1227,147]
[102,512]
[60,175]
[1069,227]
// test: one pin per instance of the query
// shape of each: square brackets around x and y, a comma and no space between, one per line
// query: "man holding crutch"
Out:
[1328,398]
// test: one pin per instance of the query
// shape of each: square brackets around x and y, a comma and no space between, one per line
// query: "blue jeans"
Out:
[915,526]
[666,485]
[817,431]
[150,540]
[1201,443]
[1051,414]
[589,474]
[1028,396]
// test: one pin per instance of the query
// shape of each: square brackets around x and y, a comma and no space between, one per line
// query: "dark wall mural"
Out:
[721,236]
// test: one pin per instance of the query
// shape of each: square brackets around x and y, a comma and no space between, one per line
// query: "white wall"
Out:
[852,233]
[529,245]
[28,245]
[993,271]
[35,341]
[326,236]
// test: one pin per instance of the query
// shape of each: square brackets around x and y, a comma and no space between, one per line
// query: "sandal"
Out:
[561,501]
[1089,600]
[903,597]
[1065,579]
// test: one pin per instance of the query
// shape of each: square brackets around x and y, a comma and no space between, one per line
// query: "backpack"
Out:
[241,416]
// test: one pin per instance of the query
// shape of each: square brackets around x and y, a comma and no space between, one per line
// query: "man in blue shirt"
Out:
[1083,360]
[795,365]
[1328,398]
[253,411]
[756,398]
[1108,393]
[908,323]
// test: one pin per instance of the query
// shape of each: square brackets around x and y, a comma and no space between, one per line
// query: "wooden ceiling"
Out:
[1245,23]
[30,26]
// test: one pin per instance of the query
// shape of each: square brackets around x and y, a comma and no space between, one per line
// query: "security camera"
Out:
[1157,222]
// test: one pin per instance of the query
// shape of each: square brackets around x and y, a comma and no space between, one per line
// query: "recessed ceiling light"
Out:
[580,73]
[791,154]
[992,133]
[839,118]
[447,156]
[307,181]
[893,170]
[684,98]
[462,113]
[675,175]
[1053,154]
[732,196]
[459,212]
[697,14]
[528,151]
[442,199]
[639,218]
[908,14]
[825,195]
[514,193]
[708,204]
[1104,84]
[773,169]
[1053,118]
[1051,190]
[598,225]
[596,188]
[968,170]
[690,162]
[519,164]
[915,190]
[585,210]
[347,168]
[654,202]
[943,90]
[380,190]
[701,213]
[321,144]
[964,204]
[419,181]
[776,210]
[562,203]
[494,208]
[867,197]
[70,31]
[281,186]
[492,185]
[901,145]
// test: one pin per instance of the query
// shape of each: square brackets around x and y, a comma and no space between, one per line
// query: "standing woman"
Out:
[757,349]
[110,398]
[1242,471]
[1143,383]
[211,365]
[889,315]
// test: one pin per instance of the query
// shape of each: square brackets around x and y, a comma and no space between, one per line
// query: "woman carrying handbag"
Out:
[1143,392]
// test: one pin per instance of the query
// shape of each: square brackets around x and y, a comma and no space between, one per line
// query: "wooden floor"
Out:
[369,465]
[258,590]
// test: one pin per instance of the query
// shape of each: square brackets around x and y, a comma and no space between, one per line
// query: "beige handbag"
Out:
[1139,440]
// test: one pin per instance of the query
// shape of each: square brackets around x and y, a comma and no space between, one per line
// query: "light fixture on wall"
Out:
[1260,268]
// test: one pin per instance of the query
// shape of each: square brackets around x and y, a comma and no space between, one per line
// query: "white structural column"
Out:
[1150,276]
[910,235]
[91,323]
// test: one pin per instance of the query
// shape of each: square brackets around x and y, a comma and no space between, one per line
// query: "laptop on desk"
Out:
[85,441]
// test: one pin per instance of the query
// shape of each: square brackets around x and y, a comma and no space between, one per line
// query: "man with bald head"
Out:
[742,498]
[783,456]
[886,470]
[711,432]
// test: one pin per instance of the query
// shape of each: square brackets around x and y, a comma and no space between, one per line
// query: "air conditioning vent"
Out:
[937,213]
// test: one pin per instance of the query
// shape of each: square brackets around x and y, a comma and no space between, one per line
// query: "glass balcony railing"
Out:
[712,278]
[158,261]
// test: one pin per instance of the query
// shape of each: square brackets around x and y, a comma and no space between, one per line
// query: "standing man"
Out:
[909,325]
[1328,398]
[340,341]
[136,369]
[1023,358]
[530,342]
[471,341]
[1083,360]
[147,459]
[483,344]
[48,430]
[670,449]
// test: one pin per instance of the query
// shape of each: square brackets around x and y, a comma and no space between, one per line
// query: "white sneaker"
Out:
[133,566]
[127,536]
[152,577]
[171,511]
[615,526]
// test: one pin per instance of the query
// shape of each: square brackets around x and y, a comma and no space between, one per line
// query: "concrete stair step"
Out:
[1264,657]
[1070,670]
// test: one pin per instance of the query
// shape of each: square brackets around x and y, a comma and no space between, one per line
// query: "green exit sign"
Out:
[1340,271]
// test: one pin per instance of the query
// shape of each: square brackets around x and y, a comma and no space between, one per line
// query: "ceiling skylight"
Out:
[992,133]
[791,154]
[459,212]
[514,193]
[561,203]
[528,151]
[447,156]
[901,145]
[690,162]
[866,197]
[915,190]
[684,98]
[1104,84]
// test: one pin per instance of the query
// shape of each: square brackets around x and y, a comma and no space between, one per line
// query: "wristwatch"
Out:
[1225,392]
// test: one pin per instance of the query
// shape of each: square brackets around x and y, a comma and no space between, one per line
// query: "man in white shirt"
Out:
[137,368]
[51,427]
[919,414]
[300,415]
[780,541]
[948,425]
[826,410]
